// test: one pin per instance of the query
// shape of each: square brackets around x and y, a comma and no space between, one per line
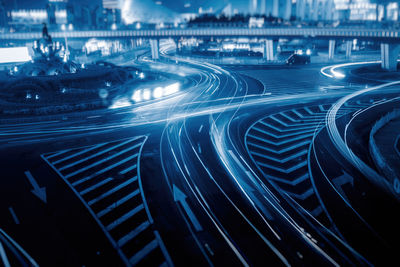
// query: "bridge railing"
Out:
[216,32]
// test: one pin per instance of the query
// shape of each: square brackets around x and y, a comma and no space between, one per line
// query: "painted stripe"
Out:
[3,256]
[102,161]
[163,249]
[104,170]
[95,155]
[124,217]
[302,196]
[95,186]
[58,153]
[291,129]
[128,169]
[285,159]
[297,138]
[132,234]
[13,215]
[294,124]
[141,254]
[78,154]
[287,181]
[305,143]
[117,203]
[113,190]
[317,115]
[311,130]
[287,171]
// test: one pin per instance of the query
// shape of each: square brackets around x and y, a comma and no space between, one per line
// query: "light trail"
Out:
[341,146]
[331,71]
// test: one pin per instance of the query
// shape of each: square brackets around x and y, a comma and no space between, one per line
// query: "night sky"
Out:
[175,5]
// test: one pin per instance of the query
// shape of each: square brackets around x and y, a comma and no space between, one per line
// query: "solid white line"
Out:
[13,215]
[31,260]
[4,256]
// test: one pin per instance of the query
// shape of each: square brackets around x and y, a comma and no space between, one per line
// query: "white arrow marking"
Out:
[40,192]
[179,196]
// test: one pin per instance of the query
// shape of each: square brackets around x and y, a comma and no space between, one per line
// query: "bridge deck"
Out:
[205,32]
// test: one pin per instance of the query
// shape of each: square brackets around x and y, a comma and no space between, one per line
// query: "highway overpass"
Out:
[389,38]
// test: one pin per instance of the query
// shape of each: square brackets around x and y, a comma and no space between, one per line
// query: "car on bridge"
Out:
[299,58]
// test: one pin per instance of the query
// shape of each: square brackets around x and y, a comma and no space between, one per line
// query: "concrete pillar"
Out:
[389,55]
[132,43]
[269,50]
[155,49]
[178,45]
[331,53]
[349,45]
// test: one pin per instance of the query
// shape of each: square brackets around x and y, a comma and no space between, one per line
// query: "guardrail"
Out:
[216,32]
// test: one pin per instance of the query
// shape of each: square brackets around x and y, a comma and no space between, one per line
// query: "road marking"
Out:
[143,252]
[104,170]
[115,203]
[132,234]
[128,169]
[118,203]
[179,196]
[78,153]
[40,192]
[94,155]
[297,138]
[4,256]
[59,153]
[124,217]
[95,186]
[17,246]
[13,215]
[103,160]
[113,190]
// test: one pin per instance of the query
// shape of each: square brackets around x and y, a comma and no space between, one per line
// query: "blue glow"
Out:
[14,54]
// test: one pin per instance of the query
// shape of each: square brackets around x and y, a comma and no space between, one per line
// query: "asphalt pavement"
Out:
[238,169]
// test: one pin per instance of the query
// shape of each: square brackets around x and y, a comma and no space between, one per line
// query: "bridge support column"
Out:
[389,55]
[331,52]
[178,45]
[155,49]
[269,50]
[349,45]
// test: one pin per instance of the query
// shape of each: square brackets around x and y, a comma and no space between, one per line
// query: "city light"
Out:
[203,132]
[158,92]
[146,94]
[137,96]
[14,54]
[171,89]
